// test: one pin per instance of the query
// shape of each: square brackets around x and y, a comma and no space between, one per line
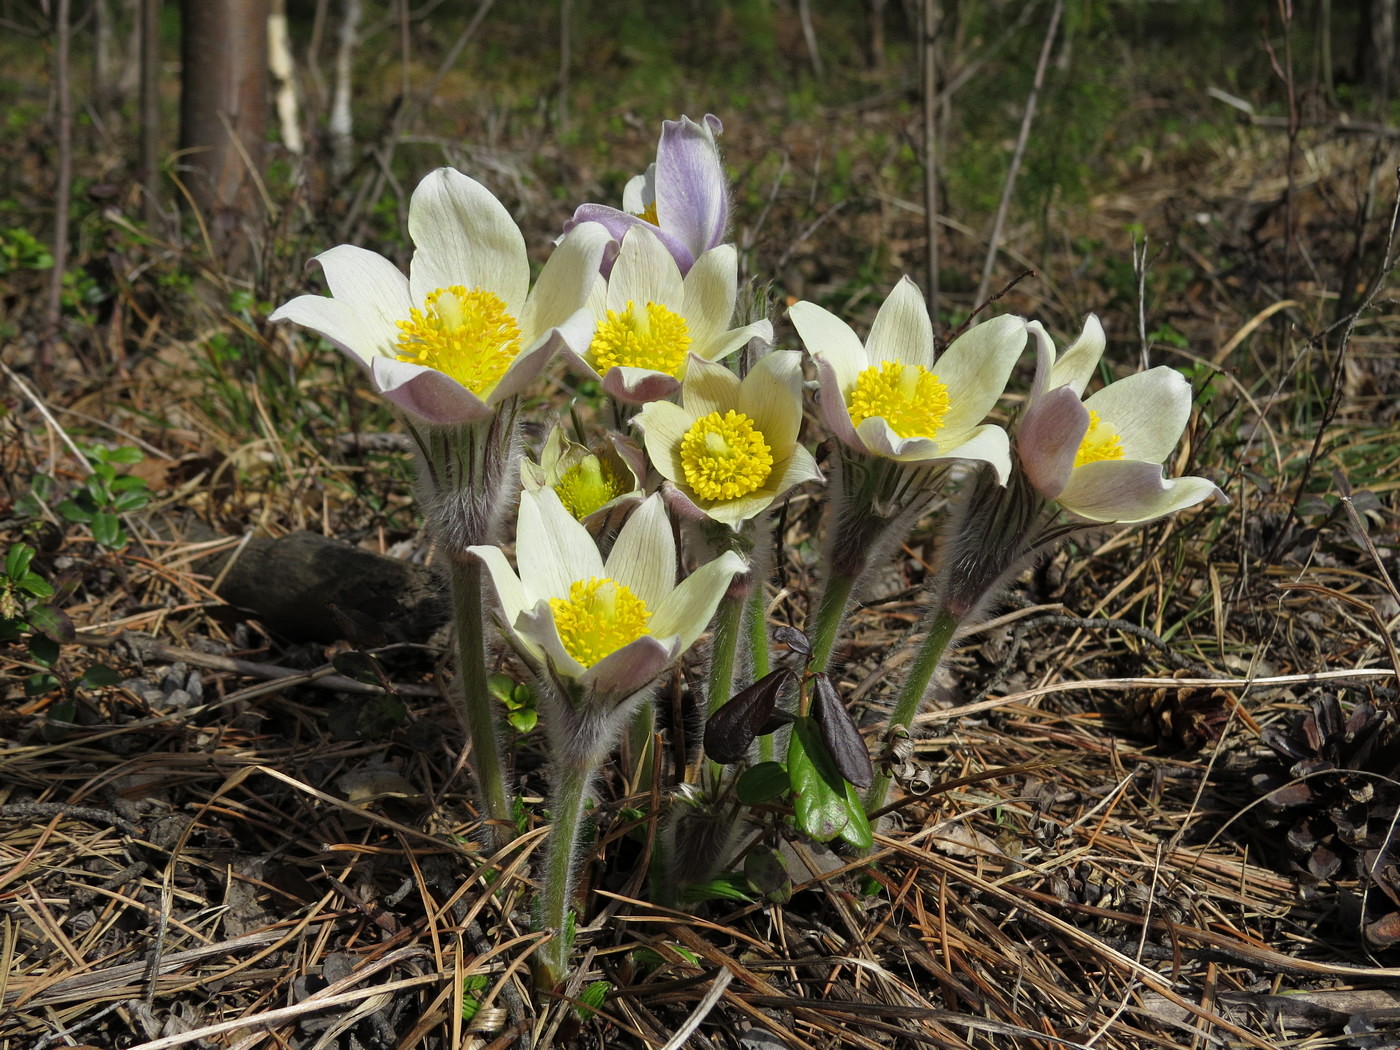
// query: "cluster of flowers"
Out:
[642,300]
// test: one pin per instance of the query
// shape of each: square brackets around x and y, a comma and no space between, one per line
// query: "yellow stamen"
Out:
[649,214]
[587,485]
[1100,443]
[468,335]
[725,457]
[656,338]
[598,618]
[912,400]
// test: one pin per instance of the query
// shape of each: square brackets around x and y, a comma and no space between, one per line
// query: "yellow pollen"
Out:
[910,398]
[725,456]
[648,214]
[1100,442]
[598,618]
[587,485]
[468,335]
[656,338]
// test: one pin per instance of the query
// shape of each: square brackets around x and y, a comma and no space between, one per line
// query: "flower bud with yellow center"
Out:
[656,338]
[587,485]
[725,456]
[910,398]
[468,335]
[1100,443]
[598,618]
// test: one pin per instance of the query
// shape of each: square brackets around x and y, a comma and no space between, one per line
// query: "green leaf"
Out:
[124,454]
[17,560]
[35,585]
[819,798]
[44,651]
[523,720]
[767,873]
[70,510]
[99,676]
[107,530]
[591,999]
[39,684]
[54,624]
[762,783]
[731,887]
[473,991]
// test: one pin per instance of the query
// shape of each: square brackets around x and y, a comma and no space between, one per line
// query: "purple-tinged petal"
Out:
[831,401]
[692,195]
[637,386]
[1048,439]
[631,668]
[617,223]
[427,393]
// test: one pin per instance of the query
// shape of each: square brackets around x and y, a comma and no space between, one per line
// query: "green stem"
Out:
[942,626]
[756,622]
[729,621]
[473,698]
[831,611]
[570,790]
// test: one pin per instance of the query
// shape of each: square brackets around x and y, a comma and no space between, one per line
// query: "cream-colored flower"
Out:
[888,397]
[730,447]
[604,630]
[1101,459]
[464,330]
[650,319]
[590,482]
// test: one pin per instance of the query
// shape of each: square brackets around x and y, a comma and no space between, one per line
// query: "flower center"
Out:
[648,214]
[598,618]
[587,485]
[656,338]
[910,398]
[725,456]
[1100,442]
[468,335]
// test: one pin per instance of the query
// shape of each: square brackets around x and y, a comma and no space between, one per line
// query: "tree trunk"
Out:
[223,117]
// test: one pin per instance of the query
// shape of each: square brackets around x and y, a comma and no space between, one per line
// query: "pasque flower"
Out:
[590,482]
[889,398]
[1101,458]
[651,318]
[601,630]
[463,331]
[683,198]
[730,447]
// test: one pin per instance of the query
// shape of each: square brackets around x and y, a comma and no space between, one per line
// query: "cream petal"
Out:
[1148,411]
[644,554]
[830,339]
[341,324]
[989,444]
[535,626]
[373,287]
[902,330]
[801,468]
[732,512]
[1048,439]
[509,590]
[528,365]
[976,367]
[874,435]
[1130,492]
[1075,367]
[427,393]
[465,236]
[629,669]
[663,426]
[565,281]
[552,550]
[771,395]
[640,191]
[708,387]
[645,273]
[710,289]
[726,343]
[687,610]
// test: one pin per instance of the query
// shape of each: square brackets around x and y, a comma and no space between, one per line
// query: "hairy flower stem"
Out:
[756,623]
[474,705]
[831,611]
[728,628]
[569,792]
[942,625]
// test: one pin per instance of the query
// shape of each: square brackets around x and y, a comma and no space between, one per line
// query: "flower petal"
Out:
[644,555]
[771,395]
[710,289]
[509,590]
[645,273]
[640,191]
[637,386]
[663,426]
[1130,492]
[339,323]
[1148,411]
[722,346]
[564,283]
[465,236]
[828,338]
[902,330]
[1048,439]
[708,387]
[833,404]
[629,669]
[1075,367]
[692,194]
[552,550]
[687,610]
[976,367]
[426,392]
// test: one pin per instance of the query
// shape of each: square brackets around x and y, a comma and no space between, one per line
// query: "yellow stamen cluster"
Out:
[598,618]
[587,485]
[725,456]
[649,214]
[1100,443]
[910,398]
[656,338]
[468,335]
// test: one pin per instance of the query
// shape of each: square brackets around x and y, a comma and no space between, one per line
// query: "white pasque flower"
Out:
[1101,458]
[590,482]
[651,319]
[683,197]
[463,331]
[606,629]
[889,398]
[730,447]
